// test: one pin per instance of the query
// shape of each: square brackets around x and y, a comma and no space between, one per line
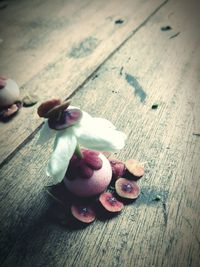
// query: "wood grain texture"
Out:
[148,232]
[54,47]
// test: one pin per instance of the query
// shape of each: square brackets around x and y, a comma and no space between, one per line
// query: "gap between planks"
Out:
[149,134]
[31,136]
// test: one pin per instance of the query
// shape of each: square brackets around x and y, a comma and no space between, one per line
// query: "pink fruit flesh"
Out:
[95,185]
[10,111]
[110,203]
[7,113]
[127,189]
[83,213]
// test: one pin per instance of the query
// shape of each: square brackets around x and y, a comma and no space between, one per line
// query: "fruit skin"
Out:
[94,185]
[127,189]
[110,203]
[9,93]
[118,168]
[83,213]
[55,111]
[135,167]
[64,118]
[47,106]
[8,112]
[92,159]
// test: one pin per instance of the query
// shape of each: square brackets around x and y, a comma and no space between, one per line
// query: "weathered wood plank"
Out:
[60,58]
[28,30]
[147,233]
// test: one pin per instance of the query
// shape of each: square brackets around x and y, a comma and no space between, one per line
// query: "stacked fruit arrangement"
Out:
[9,98]
[90,181]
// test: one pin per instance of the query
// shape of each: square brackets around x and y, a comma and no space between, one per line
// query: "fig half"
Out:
[83,213]
[127,189]
[110,203]
[7,113]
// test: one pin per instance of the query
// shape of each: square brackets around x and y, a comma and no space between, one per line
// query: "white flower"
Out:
[93,133]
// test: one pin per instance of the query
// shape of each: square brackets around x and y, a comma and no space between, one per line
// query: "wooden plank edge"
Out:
[32,135]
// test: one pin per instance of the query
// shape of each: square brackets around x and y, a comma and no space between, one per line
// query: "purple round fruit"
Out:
[92,185]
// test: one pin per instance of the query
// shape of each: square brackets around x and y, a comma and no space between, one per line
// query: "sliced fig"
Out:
[8,113]
[127,189]
[47,106]
[65,119]
[135,167]
[11,110]
[57,109]
[118,168]
[83,213]
[110,203]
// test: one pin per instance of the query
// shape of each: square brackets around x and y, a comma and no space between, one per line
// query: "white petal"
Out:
[64,147]
[45,134]
[85,119]
[99,136]
[104,123]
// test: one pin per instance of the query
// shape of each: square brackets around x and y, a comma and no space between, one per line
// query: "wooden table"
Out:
[115,59]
